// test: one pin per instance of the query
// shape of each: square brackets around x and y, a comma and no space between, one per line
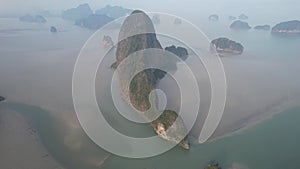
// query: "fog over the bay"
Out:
[17,7]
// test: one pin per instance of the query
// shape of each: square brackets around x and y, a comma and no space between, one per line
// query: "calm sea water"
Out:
[38,72]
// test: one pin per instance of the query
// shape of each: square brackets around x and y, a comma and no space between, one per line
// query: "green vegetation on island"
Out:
[145,81]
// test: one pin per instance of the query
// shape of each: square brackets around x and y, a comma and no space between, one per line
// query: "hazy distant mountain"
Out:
[93,21]
[73,14]
[33,19]
[45,13]
[287,28]
[240,25]
[114,11]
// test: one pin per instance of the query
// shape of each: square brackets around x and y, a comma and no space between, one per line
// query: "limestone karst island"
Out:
[143,83]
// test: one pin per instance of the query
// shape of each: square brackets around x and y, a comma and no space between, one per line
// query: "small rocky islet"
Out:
[179,51]
[213,17]
[262,27]
[288,28]
[240,25]
[224,47]
[53,29]
[177,21]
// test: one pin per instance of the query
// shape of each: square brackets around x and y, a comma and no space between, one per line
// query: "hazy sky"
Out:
[27,6]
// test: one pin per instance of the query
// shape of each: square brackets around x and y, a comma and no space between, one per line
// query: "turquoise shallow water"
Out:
[271,144]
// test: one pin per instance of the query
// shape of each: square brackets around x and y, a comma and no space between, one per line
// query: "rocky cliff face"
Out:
[144,82]
[225,47]
[287,28]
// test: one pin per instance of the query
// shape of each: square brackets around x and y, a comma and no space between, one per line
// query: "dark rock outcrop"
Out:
[263,27]
[232,18]
[93,21]
[33,19]
[179,51]
[240,25]
[243,17]
[225,47]
[289,28]
[114,11]
[2,98]
[53,29]
[131,40]
[73,14]
[213,17]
